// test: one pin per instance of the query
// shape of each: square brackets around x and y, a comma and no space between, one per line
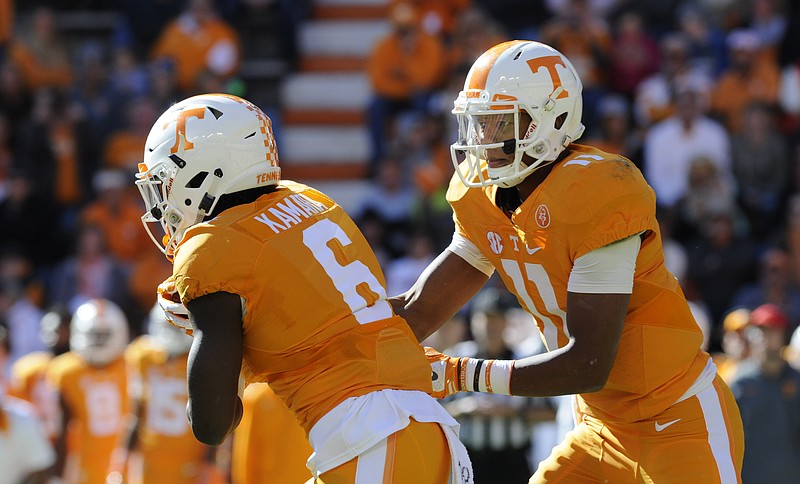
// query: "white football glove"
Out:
[174,310]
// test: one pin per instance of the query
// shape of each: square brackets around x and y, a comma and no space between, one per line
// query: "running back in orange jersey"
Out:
[314,300]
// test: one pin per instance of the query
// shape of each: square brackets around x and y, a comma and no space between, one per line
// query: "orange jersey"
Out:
[268,444]
[97,401]
[317,326]
[28,382]
[170,452]
[589,200]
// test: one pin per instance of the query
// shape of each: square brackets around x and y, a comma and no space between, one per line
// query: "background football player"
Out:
[283,287]
[90,381]
[28,374]
[572,232]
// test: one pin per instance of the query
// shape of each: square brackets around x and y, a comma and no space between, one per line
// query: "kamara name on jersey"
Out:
[291,211]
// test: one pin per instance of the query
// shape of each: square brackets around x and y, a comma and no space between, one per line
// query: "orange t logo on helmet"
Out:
[180,127]
[549,62]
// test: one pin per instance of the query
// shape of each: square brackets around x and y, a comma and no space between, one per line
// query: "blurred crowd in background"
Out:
[703,96]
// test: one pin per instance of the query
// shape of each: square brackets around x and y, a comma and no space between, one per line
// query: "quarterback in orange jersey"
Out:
[28,374]
[282,287]
[572,232]
[159,446]
[90,381]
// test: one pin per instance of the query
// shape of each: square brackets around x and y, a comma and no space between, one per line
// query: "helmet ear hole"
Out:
[197,180]
[559,121]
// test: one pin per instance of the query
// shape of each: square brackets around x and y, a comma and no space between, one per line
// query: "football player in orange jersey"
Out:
[90,381]
[28,374]
[282,287]
[572,231]
[159,446]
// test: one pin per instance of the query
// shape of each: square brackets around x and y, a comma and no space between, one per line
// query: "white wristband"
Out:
[489,376]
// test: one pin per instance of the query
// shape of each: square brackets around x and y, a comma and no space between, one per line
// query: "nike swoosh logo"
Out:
[660,427]
[532,251]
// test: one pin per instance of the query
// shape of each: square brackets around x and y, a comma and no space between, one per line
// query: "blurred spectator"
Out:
[18,305]
[707,52]
[709,192]
[769,22]
[124,148]
[585,39]
[196,41]
[735,348]
[143,20]
[496,429]
[655,96]
[759,159]
[634,55]
[437,17]
[40,52]
[403,272]
[749,78]
[614,133]
[767,391]
[164,89]
[90,272]
[268,445]
[117,211]
[672,144]
[390,198]
[128,78]
[475,32]
[775,285]
[404,69]
[25,453]
[92,100]
[720,262]
[28,375]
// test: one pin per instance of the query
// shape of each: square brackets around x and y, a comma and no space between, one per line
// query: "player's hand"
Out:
[170,302]
[444,375]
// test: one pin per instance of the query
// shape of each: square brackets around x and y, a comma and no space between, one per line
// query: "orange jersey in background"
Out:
[589,200]
[169,450]
[97,401]
[28,382]
[315,342]
[268,445]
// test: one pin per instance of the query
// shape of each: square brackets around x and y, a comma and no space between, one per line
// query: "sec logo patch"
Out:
[495,242]
[542,216]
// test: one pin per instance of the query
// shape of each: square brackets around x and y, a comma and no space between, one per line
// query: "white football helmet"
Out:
[510,78]
[98,332]
[170,337]
[199,149]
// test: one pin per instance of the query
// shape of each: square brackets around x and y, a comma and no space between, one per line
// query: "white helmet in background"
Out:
[198,150]
[174,341]
[98,332]
[509,79]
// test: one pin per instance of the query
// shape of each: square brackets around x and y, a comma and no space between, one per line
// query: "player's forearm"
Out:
[564,371]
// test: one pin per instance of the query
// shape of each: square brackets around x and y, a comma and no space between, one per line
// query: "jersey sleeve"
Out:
[214,259]
[611,204]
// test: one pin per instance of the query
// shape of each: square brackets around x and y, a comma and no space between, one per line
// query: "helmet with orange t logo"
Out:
[520,107]
[202,148]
